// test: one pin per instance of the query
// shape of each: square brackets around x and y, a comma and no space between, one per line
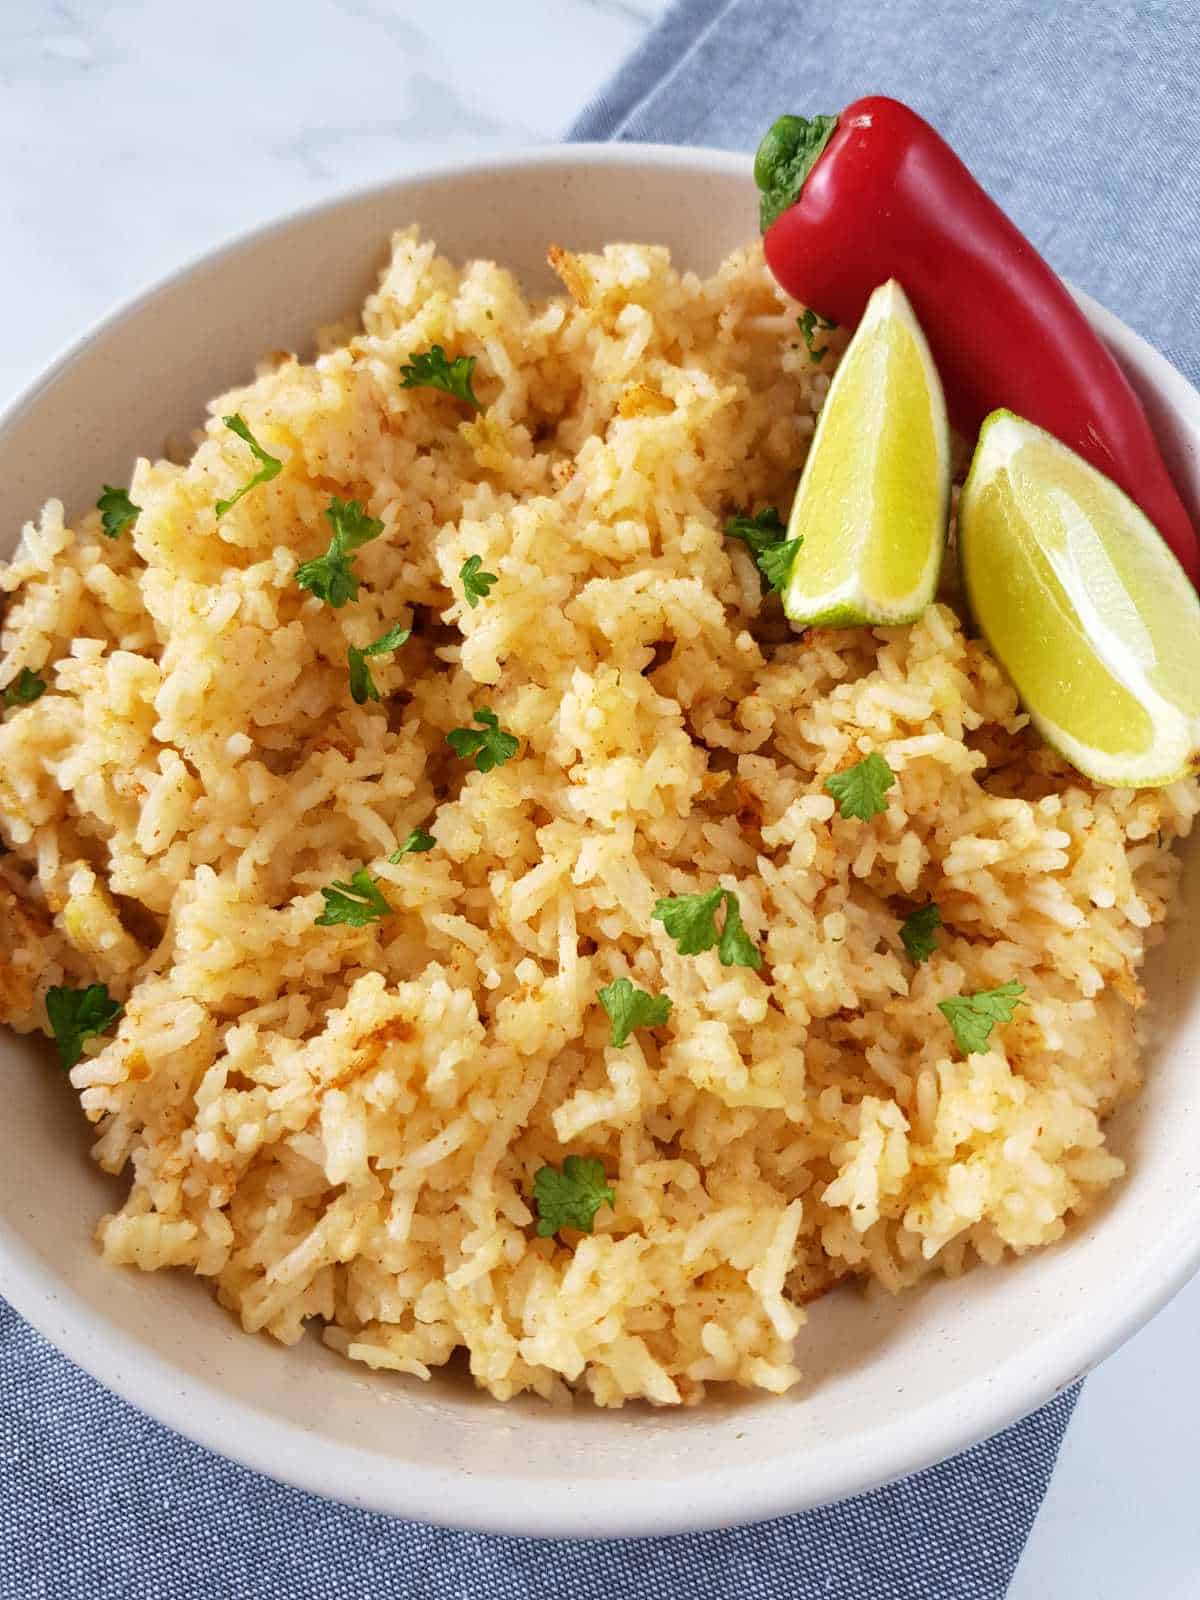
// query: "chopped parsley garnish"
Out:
[973,1016]
[629,1008]
[736,948]
[117,512]
[268,466]
[355,903]
[810,323]
[332,577]
[362,684]
[432,370]
[572,1197]
[25,688]
[691,920]
[475,584]
[417,843]
[917,933]
[765,536]
[79,1014]
[490,746]
[775,563]
[759,532]
[860,789]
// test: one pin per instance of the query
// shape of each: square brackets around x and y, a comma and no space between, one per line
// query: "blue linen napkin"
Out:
[1081,119]
[99,1503]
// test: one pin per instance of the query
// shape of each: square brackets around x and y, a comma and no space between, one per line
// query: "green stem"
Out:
[789,151]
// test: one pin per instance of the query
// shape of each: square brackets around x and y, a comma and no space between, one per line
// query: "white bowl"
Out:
[892,1385]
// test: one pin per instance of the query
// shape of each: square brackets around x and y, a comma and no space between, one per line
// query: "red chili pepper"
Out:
[850,201]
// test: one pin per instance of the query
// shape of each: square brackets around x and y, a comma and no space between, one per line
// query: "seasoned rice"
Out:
[340,1126]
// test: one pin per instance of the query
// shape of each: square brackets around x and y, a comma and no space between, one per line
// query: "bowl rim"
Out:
[288,1452]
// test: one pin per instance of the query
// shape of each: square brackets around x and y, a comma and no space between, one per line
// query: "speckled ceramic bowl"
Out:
[891,1385]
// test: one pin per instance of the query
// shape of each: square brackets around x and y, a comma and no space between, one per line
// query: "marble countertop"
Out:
[137,134]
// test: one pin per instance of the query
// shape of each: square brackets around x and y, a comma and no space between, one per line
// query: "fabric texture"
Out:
[100,1503]
[1081,119]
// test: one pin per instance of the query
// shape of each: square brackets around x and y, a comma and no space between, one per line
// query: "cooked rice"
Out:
[342,1125]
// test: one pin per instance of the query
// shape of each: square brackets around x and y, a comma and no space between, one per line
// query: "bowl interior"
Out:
[892,1384]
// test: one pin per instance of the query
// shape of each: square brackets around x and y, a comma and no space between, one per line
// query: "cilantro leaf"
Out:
[973,1016]
[691,920]
[490,746]
[79,1014]
[355,903]
[431,370]
[809,323]
[362,684]
[25,688]
[117,512]
[268,466]
[572,1197]
[417,843]
[917,933]
[860,789]
[629,1008]
[775,563]
[475,583]
[332,577]
[759,532]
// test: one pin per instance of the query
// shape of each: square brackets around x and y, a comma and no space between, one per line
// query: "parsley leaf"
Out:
[431,370]
[860,789]
[973,1016]
[117,511]
[917,933]
[775,563]
[25,688]
[629,1008]
[268,466]
[79,1014]
[765,537]
[475,583]
[736,948]
[809,323]
[355,903]
[691,920]
[332,577]
[759,531]
[490,746]
[417,843]
[362,684]
[572,1197]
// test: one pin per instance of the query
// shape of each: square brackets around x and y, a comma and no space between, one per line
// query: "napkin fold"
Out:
[1080,118]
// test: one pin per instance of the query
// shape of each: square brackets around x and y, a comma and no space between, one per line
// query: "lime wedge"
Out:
[1083,605]
[874,499]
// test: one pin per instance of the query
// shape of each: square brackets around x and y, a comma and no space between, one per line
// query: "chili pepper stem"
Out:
[789,151]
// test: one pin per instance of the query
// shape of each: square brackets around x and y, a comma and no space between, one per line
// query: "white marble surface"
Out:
[136,134]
